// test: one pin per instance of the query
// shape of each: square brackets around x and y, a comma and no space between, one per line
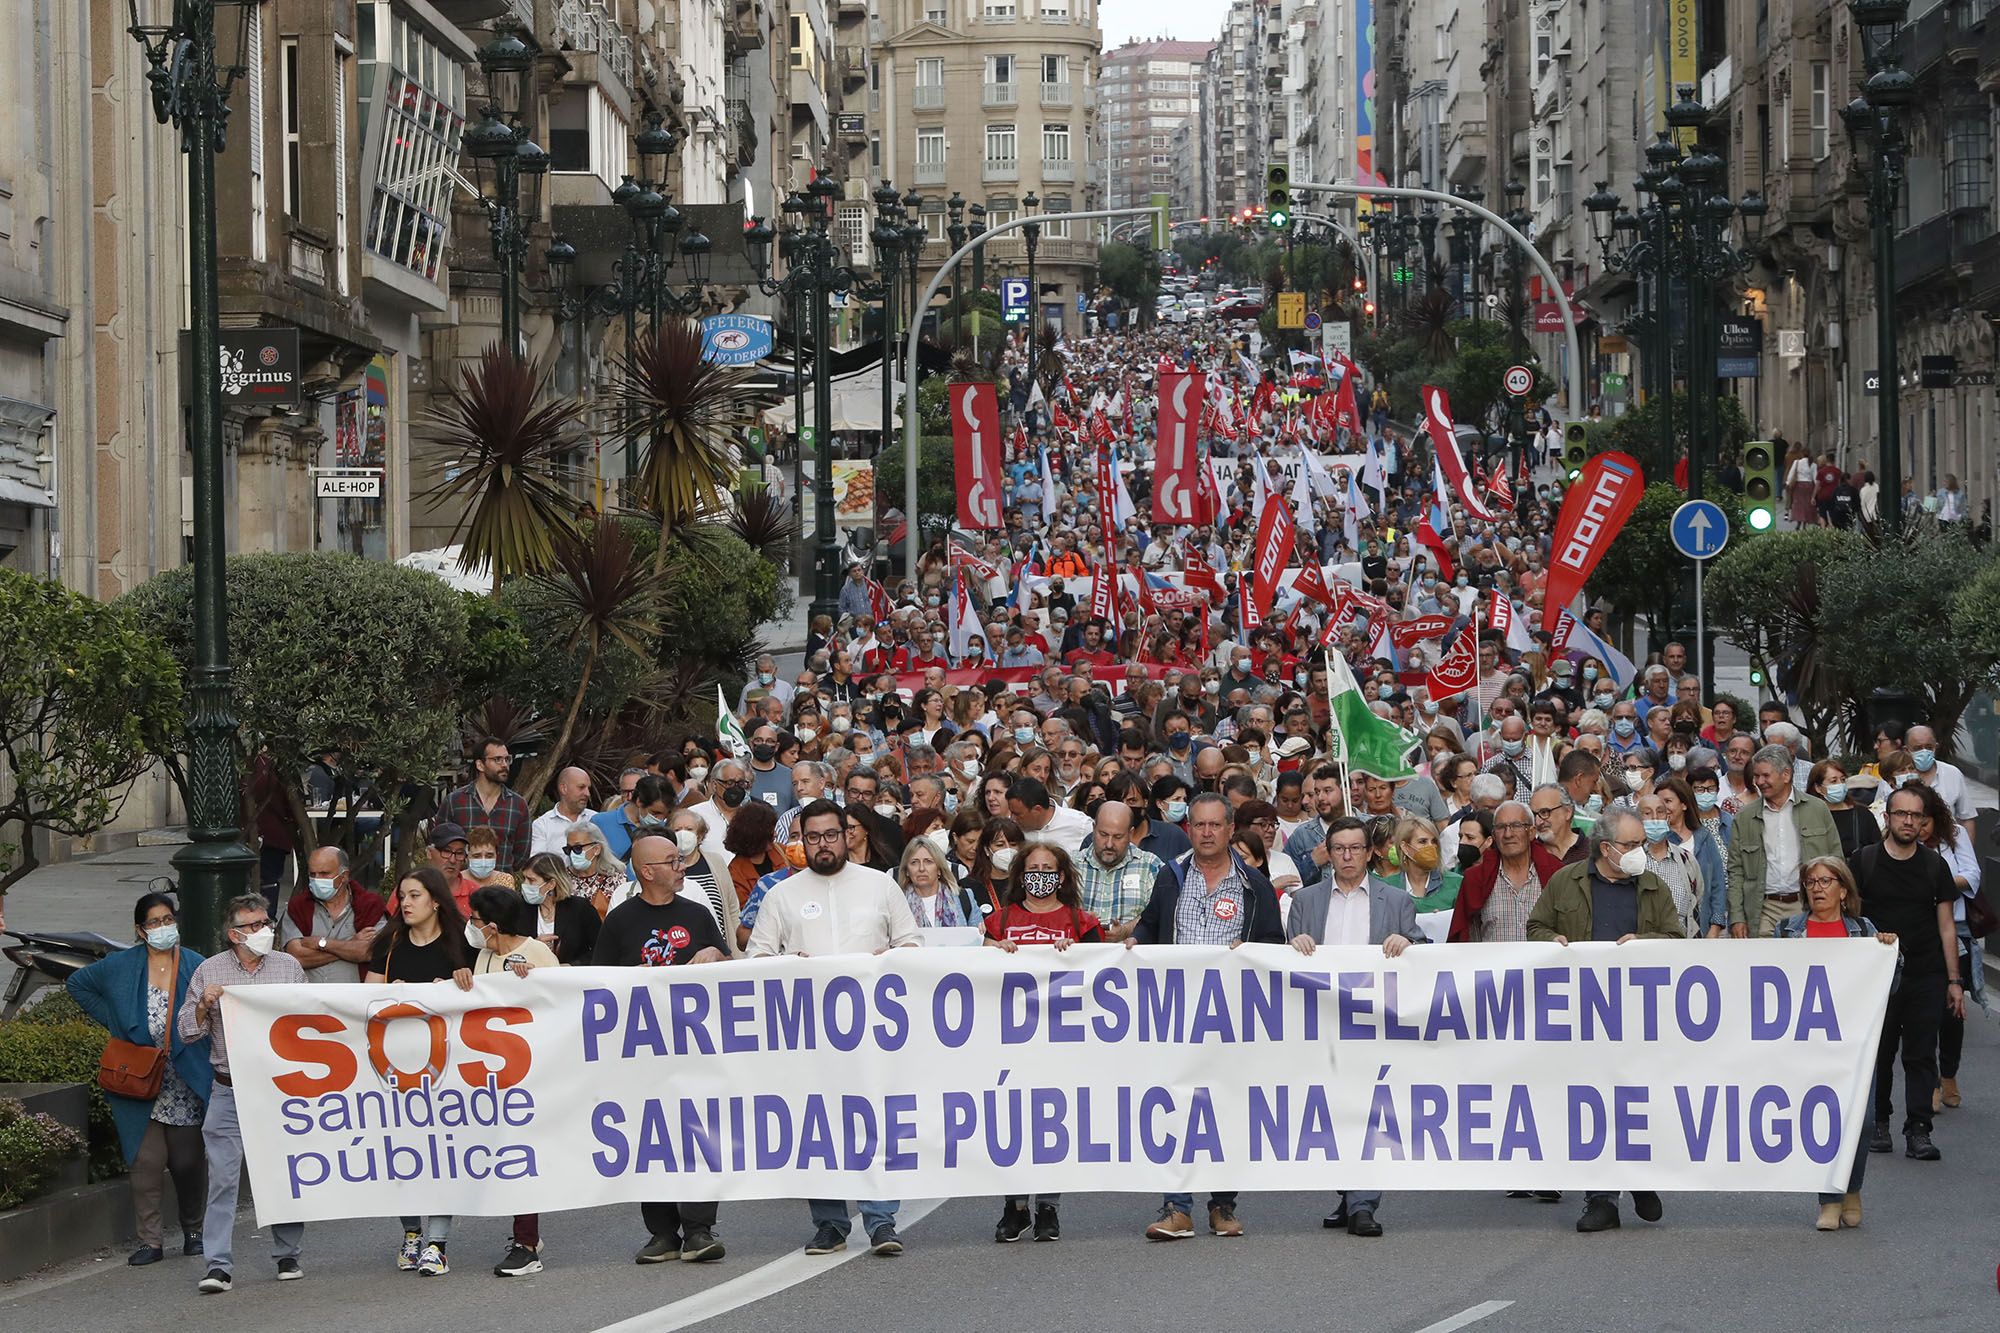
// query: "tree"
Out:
[331,652]
[1475,373]
[1132,271]
[1641,571]
[1763,596]
[1891,622]
[688,408]
[88,698]
[1637,432]
[502,442]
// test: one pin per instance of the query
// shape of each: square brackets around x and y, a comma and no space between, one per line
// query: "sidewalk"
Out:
[87,893]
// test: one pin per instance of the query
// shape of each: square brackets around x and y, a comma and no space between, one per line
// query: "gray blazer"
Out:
[1391,911]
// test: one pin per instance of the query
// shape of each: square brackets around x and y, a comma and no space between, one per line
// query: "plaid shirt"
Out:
[1196,920]
[508,819]
[1504,919]
[1117,893]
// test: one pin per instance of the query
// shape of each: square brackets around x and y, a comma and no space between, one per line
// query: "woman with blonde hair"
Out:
[564,921]
[598,874]
[936,897]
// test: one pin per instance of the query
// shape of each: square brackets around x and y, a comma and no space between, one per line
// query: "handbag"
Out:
[1980,918]
[127,1069]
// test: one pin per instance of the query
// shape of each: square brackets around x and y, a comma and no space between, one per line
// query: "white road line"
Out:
[768,1280]
[1464,1317]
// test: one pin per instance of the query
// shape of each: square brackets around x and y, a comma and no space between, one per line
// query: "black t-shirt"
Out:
[1902,897]
[406,960]
[637,933]
[1614,907]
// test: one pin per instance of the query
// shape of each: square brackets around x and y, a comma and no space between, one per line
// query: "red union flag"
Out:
[1459,669]
[1103,593]
[975,440]
[1177,464]
[1406,634]
[1273,548]
[1196,572]
[1593,512]
[1444,442]
[1311,582]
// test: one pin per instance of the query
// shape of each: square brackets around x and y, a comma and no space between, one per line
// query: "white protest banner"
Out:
[931,1073]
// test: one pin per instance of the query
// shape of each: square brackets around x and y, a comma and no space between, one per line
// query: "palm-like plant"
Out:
[763,522]
[1428,319]
[689,409]
[603,592]
[502,440]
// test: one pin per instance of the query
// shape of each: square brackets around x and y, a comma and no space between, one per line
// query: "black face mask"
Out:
[732,794]
[1468,856]
[763,752]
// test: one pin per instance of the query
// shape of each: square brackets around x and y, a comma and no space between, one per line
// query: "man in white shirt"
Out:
[1943,777]
[551,829]
[729,787]
[832,907]
[1044,821]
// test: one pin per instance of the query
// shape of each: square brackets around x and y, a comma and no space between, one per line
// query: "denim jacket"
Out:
[1794,928]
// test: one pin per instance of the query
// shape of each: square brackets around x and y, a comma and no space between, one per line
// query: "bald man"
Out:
[572,803]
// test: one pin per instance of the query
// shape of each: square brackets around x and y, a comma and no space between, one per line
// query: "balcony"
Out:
[1058,171]
[1058,94]
[930,173]
[1000,169]
[745,30]
[928,97]
[588,25]
[308,256]
[1923,251]
[854,65]
[999,94]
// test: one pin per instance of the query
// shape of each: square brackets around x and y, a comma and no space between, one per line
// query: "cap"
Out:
[1293,747]
[445,833]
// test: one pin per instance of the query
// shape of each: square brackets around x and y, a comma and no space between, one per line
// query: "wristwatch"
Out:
[1954,981]
[322,944]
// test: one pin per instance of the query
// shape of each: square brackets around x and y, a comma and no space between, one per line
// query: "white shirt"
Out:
[854,910]
[1066,829]
[717,823]
[550,831]
[1347,915]
[1781,848]
[1948,781]
[1283,871]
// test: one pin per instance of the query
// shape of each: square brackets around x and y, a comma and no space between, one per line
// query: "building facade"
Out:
[1150,90]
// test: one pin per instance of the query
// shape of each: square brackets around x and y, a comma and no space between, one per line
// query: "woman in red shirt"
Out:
[1833,911]
[1041,903]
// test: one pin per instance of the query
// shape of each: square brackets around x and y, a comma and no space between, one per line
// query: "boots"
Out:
[1829,1217]
[1948,1094]
[1850,1210]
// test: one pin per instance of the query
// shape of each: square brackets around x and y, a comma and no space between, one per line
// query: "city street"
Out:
[1921,1261]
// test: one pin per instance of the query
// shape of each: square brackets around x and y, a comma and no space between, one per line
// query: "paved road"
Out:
[1923,1260]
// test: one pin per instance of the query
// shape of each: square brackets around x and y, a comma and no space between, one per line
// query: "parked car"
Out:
[1239,307]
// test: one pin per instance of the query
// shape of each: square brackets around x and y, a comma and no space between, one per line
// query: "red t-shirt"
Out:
[1018,924]
[1098,658]
[1825,930]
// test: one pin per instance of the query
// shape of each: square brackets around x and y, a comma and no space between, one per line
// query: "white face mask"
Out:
[532,894]
[1002,860]
[969,769]
[697,774]
[258,942]
[475,938]
[805,735]
[685,842]
[1633,862]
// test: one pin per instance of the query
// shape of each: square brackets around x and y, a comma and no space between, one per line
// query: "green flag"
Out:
[728,728]
[1367,743]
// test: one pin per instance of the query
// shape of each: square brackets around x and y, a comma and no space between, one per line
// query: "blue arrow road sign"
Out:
[1700,530]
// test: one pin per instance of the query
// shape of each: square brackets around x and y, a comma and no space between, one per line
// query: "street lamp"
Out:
[505,162]
[888,240]
[974,229]
[1032,232]
[956,233]
[812,276]
[191,93]
[1468,231]
[1875,121]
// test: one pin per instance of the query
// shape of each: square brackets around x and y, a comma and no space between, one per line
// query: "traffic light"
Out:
[1576,449]
[1368,309]
[1760,485]
[1278,195]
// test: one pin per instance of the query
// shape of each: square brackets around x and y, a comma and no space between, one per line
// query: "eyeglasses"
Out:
[1513,826]
[1823,882]
[1549,813]
[1349,849]
[1906,814]
[824,839]
[252,926]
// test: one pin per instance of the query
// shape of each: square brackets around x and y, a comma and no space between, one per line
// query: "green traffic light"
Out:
[1761,519]
[1279,219]
[1756,676]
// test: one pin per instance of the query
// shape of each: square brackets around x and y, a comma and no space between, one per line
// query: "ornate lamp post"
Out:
[974,229]
[888,238]
[1033,235]
[956,233]
[506,161]
[191,93]
[1875,121]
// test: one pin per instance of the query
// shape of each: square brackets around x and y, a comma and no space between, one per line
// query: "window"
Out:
[1055,11]
[874,152]
[934,13]
[340,169]
[1000,145]
[409,211]
[288,99]
[930,148]
[930,72]
[1969,171]
[999,69]
[1785,130]
[1544,53]
[254,55]
[1055,143]
[1821,109]
[995,215]
[999,11]
[1055,69]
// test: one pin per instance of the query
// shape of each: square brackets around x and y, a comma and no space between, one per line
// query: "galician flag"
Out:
[728,728]
[1366,743]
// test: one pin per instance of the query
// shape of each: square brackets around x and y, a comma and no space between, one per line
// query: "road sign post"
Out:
[1291,310]
[1519,381]
[1700,530]
[1013,300]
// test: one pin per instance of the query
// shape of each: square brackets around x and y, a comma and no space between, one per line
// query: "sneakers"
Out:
[829,1239]
[1917,1143]
[884,1241]
[1047,1226]
[1013,1224]
[659,1250]
[520,1262]
[1599,1215]
[191,1243]
[1222,1220]
[215,1283]
[146,1254]
[410,1251]
[433,1263]
[700,1247]
[1171,1224]
[1647,1205]
[289,1270]
[1880,1141]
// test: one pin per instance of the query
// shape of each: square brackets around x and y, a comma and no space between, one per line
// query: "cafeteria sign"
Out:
[735,340]
[261,366]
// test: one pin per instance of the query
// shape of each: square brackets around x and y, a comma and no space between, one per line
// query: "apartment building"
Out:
[1150,90]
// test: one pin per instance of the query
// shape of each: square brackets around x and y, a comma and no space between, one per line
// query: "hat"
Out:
[1293,747]
[445,833]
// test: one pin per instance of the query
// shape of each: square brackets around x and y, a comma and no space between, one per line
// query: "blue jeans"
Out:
[222,1137]
[875,1214]
[1185,1202]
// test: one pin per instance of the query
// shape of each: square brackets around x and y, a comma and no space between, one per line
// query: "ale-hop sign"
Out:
[260,366]
[735,340]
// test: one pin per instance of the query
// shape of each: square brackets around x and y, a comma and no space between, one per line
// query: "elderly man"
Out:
[330,929]
[1114,874]
[1775,834]
[1557,825]
[1351,906]
[1501,889]
[572,804]
[1611,896]
[1656,690]
[1944,778]
[1487,791]
[1512,764]
[765,681]
[729,788]
[811,779]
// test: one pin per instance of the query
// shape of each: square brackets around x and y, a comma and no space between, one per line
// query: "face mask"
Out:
[886,809]
[1594,805]
[843,724]
[1836,792]
[1590,673]
[533,894]
[163,938]
[258,942]
[1430,706]
[1041,883]
[805,735]
[1635,778]
[1923,759]
[1632,862]
[1603,702]
[1708,800]
[732,795]
[651,822]
[1625,726]
[1002,860]
[1425,858]
[475,938]
[1175,811]
[1299,679]
[951,803]
[579,858]
[936,601]
[685,842]
[1211,687]
[765,678]
[701,773]
[1905,779]
[1468,856]
[322,888]
[1462,581]
[1385,692]
[1677,762]
[1180,740]
[1512,749]
[1024,735]
[763,753]
[479,867]
[1656,830]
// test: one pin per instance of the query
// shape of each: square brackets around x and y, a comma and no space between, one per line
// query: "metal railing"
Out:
[590,26]
[1058,94]
[928,97]
[1000,169]
[999,94]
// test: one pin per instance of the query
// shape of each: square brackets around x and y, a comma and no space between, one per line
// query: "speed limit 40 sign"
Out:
[1519,381]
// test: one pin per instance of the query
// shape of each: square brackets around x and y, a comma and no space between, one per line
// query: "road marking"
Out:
[768,1280]
[1464,1317]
